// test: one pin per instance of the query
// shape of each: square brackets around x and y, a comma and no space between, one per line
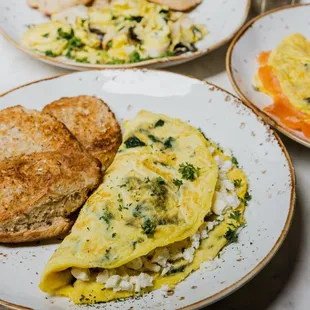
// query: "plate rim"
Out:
[260,266]
[77,66]
[276,124]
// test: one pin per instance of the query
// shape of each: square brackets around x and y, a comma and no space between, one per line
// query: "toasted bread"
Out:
[92,122]
[45,175]
[25,131]
[178,5]
[49,7]
[38,192]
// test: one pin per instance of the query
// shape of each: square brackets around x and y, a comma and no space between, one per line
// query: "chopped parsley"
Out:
[107,217]
[153,138]
[120,203]
[159,123]
[134,57]
[167,54]
[177,183]
[235,215]
[247,196]
[107,253]
[50,53]
[134,142]
[83,60]
[235,161]
[46,35]
[148,227]
[134,18]
[134,243]
[116,62]
[113,235]
[160,180]
[65,35]
[168,142]
[189,171]
[231,235]
[203,134]
[237,182]
[110,44]
[137,211]
[176,270]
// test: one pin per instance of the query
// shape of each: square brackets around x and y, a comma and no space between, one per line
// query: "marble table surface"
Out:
[285,283]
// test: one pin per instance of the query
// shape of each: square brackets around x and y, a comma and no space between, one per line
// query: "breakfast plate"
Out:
[245,72]
[221,18]
[226,121]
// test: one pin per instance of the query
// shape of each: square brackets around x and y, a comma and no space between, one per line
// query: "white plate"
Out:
[223,19]
[264,33]
[225,120]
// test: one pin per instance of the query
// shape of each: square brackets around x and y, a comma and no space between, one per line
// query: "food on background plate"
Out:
[45,175]
[178,5]
[284,74]
[124,32]
[49,7]
[92,122]
[170,201]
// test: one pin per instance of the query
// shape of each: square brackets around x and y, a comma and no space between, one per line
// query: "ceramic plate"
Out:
[222,18]
[226,120]
[264,33]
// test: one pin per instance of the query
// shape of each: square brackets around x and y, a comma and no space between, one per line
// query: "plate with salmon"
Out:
[271,70]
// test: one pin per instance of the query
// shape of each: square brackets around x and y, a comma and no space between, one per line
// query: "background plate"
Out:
[264,33]
[225,120]
[223,19]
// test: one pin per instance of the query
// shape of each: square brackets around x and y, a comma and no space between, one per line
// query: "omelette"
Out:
[284,74]
[123,32]
[170,201]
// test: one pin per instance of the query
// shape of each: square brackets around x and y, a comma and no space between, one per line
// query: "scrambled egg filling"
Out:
[126,32]
[143,272]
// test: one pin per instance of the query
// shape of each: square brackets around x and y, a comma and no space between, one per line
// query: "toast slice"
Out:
[39,192]
[49,7]
[92,122]
[45,175]
[25,132]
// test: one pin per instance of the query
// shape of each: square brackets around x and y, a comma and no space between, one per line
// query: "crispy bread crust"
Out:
[45,175]
[25,131]
[92,122]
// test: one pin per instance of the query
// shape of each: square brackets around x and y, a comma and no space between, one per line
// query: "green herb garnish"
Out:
[134,142]
[235,215]
[137,211]
[83,60]
[189,171]
[231,235]
[235,161]
[107,253]
[200,130]
[177,183]
[134,243]
[176,270]
[148,227]
[110,44]
[307,99]
[247,196]
[107,216]
[153,138]
[50,54]
[113,235]
[65,35]
[237,182]
[168,142]
[134,57]
[134,18]
[159,123]
[167,54]
[160,180]
[46,35]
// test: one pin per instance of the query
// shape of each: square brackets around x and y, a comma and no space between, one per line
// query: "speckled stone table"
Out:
[285,283]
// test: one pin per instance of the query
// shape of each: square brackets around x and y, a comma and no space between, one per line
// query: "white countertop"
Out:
[284,283]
